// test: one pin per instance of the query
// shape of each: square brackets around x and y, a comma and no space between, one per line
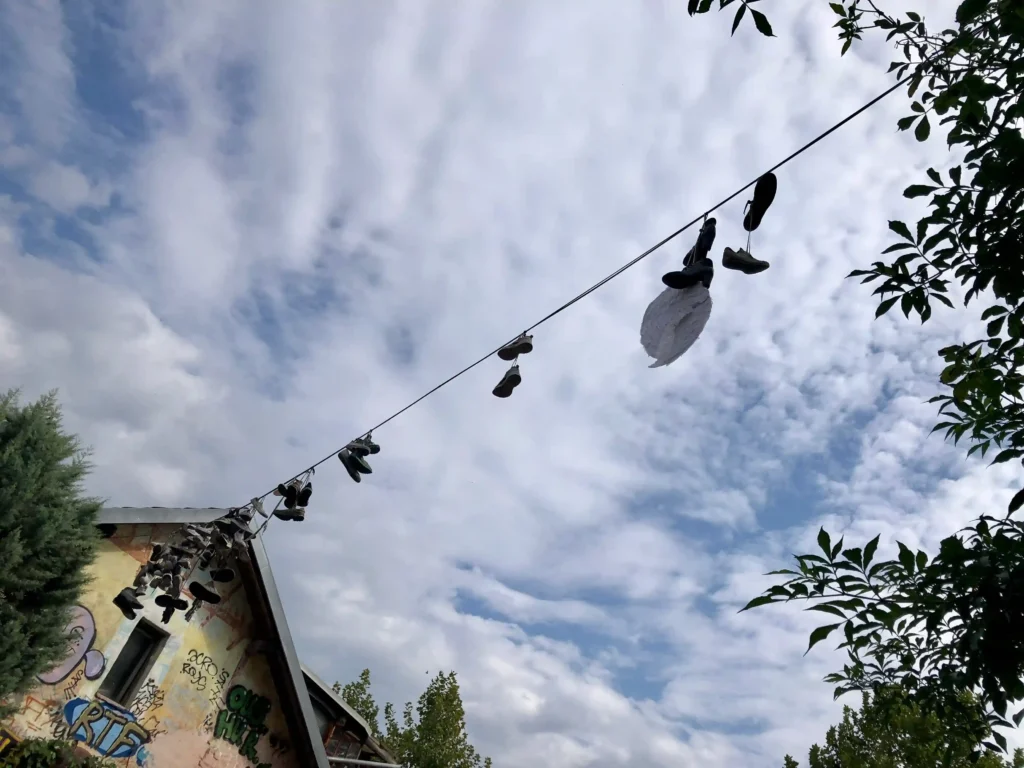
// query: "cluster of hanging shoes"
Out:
[697,264]
[193,548]
[668,336]
[523,345]
[353,457]
[295,497]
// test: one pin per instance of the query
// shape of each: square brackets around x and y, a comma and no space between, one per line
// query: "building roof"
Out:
[328,697]
[267,609]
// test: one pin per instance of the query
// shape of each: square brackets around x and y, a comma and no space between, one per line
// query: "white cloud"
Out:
[330,208]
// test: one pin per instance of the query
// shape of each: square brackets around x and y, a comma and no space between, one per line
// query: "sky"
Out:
[235,235]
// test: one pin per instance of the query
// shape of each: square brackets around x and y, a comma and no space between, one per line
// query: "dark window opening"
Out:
[133,663]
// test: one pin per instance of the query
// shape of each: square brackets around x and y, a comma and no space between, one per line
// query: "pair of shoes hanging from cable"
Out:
[764,194]
[522,345]
[353,457]
[697,264]
[295,496]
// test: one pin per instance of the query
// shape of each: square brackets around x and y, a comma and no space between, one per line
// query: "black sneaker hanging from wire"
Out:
[509,381]
[742,261]
[523,345]
[758,205]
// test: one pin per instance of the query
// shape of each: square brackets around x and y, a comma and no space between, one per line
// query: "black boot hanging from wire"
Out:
[697,265]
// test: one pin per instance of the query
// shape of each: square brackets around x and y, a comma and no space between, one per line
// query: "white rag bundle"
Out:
[673,321]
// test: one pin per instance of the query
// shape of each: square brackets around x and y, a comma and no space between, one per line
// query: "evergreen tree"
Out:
[47,538]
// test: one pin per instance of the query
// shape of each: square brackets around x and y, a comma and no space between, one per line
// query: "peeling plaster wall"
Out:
[202,704]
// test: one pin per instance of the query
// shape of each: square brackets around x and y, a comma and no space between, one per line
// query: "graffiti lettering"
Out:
[72,686]
[7,741]
[241,723]
[57,725]
[35,711]
[149,697]
[81,631]
[111,731]
[218,684]
[202,672]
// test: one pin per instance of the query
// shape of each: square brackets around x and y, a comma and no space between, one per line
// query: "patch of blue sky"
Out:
[108,85]
[57,237]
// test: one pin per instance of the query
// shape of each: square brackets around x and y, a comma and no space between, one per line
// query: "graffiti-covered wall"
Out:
[207,702]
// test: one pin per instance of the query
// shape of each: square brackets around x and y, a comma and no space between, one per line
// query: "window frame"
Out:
[133,681]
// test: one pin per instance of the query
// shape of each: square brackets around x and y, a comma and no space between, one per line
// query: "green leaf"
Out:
[993,311]
[835,549]
[905,122]
[1000,740]
[922,561]
[923,130]
[761,22]
[739,15]
[825,542]
[954,174]
[907,304]
[918,190]
[691,7]
[885,306]
[838,9]
[870,549]
[854,555]
[934,176]
[1016,503]
[827,608]
[906,557]
[820,634]
[893,249]
[970,9]
[901,229]
[995,326]
[1004,456]
[757,602]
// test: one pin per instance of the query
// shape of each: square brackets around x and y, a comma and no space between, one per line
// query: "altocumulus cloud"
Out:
[236,234]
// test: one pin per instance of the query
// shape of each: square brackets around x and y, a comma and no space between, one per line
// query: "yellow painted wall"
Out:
[173,720]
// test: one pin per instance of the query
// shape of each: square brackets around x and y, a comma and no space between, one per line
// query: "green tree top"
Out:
[891,732]
[357,694]
[431,735]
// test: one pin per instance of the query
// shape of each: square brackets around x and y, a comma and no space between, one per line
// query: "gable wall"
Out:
[173,720]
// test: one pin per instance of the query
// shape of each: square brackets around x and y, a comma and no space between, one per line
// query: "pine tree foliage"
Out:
[47,537]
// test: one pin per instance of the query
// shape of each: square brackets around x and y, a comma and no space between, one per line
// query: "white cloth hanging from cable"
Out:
[673,322]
